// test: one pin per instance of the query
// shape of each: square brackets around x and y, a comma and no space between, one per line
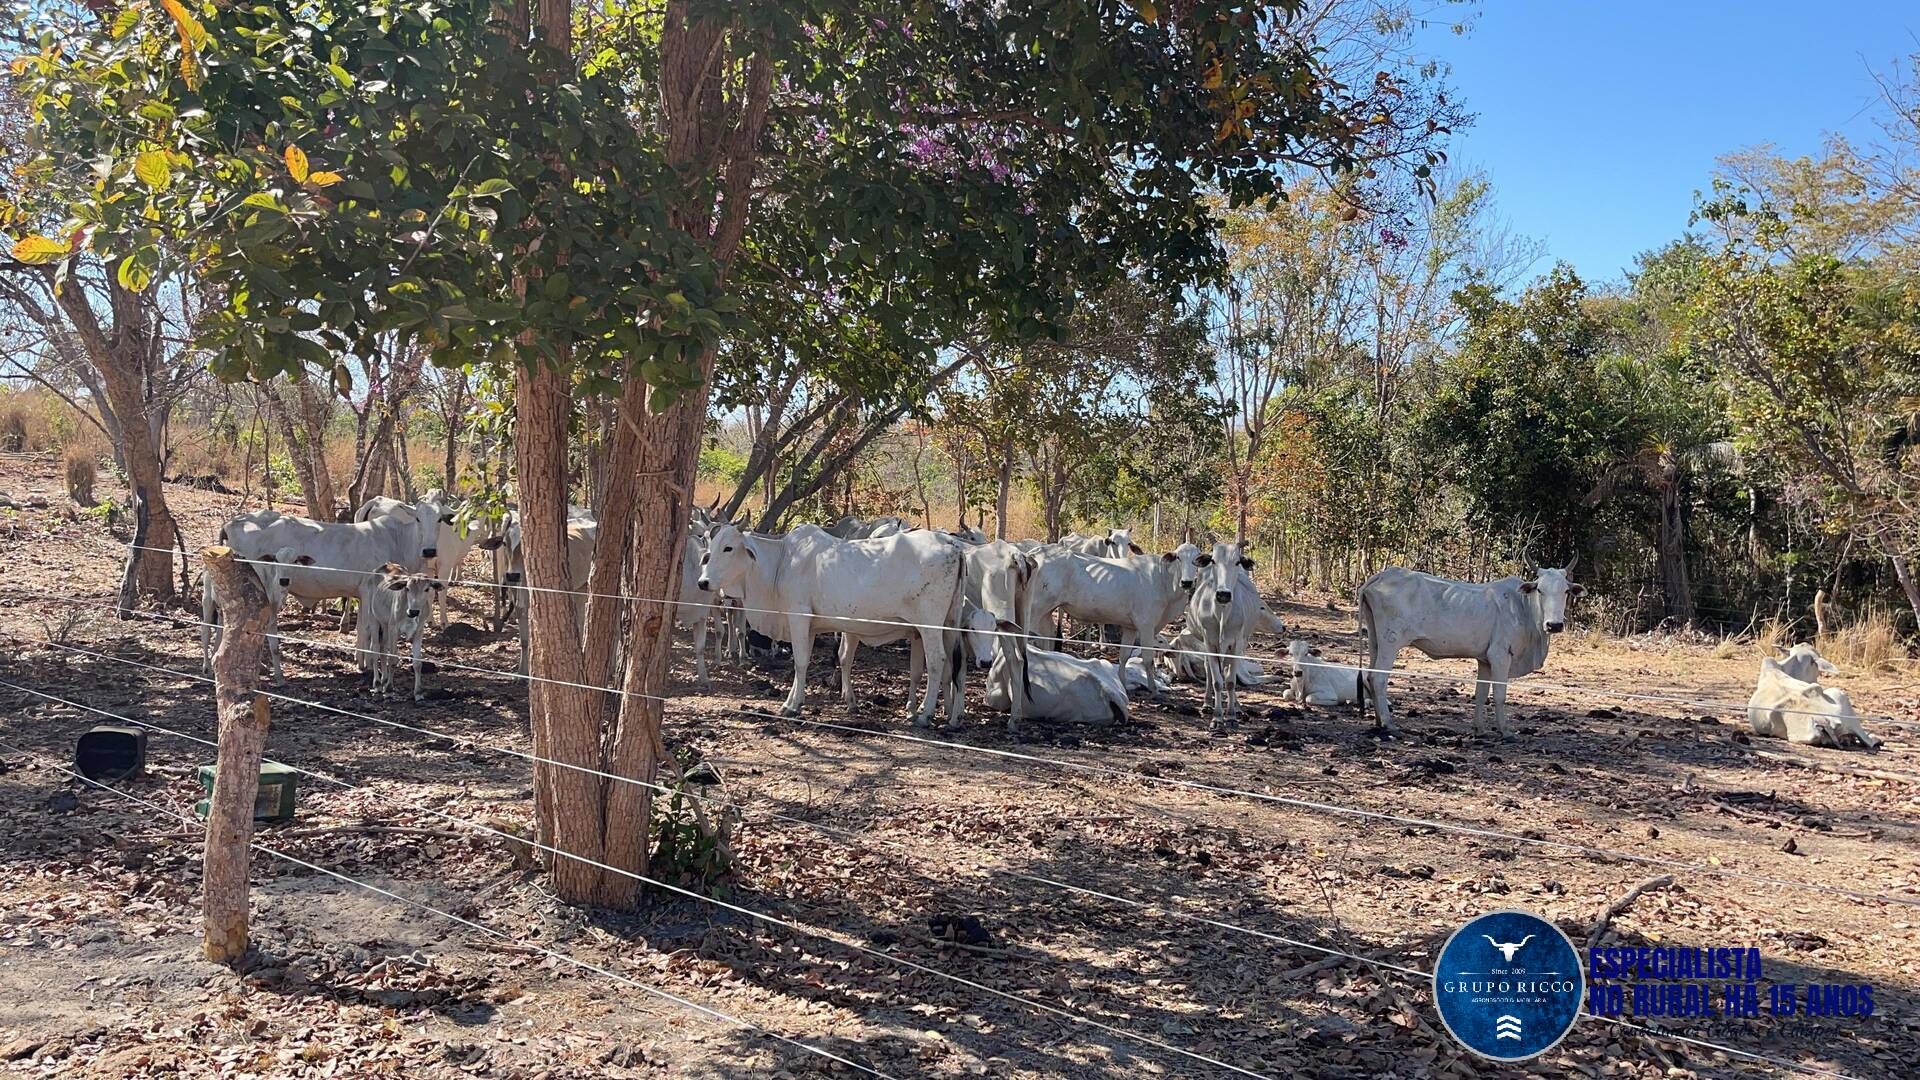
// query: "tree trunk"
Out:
[1003,484]
[120,359]
[1675,588]
[243,718]
[1903,572]
[301,456]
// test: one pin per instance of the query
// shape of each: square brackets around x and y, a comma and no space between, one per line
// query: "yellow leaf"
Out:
[39,249]
[342,379]
[1212,79]
[19,64]
[1148,13]
[296,159]
[153,169]
[191,35]
[324,179]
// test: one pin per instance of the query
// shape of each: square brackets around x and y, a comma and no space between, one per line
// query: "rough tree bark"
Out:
[120,356]
[243,719]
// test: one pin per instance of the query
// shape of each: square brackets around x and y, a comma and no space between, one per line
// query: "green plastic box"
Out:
[276,798]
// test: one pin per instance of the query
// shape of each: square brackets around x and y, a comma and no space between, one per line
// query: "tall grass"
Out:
[1870,642]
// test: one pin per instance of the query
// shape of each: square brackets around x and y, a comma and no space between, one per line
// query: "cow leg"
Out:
[800,632]
[1380,660]
[848,647]
[417,632]
[700,646]
[1851,726]
[273,648]
[1482,682]
[1498,691]
[932,645]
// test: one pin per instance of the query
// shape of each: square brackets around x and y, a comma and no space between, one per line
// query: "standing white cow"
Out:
[340,556]
[1505,625]
[452,540]
[272,568]
[1139,594]
[1026,680]
[873,591]
[695,610]
[997,576]
[1221,610]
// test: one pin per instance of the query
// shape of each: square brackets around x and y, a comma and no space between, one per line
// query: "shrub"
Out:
[1869,643]
[81,474]
[13,430]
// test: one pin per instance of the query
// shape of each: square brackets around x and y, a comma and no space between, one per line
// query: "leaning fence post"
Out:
[243,717]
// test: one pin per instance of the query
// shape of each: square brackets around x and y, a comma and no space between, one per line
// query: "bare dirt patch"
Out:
[866,840]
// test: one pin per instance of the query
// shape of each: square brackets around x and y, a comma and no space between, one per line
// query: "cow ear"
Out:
[268,557]
[749,550]
[1315,651]
[1203,560]
[1006,627]
[1576,590]
[1246,563]
[1135,548]
[397,584]
[490,543]
[1528,586]
[305,560]
[1169,557]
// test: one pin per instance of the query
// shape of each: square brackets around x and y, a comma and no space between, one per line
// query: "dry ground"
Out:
[862,838]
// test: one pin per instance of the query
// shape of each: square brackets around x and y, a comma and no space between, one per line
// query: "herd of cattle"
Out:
[960,601]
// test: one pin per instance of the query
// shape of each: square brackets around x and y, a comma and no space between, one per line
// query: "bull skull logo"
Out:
[1508,948]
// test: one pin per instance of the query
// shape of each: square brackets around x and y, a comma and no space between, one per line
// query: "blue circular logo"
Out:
[1508,985]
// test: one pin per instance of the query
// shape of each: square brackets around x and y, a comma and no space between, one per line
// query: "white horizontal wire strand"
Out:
[1526,684]
[499,935]
[846,835]
[1282,800]
[1413,972]
[772,920]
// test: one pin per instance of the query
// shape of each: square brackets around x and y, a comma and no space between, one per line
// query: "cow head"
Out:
[407,593]
[727,561]
[1188,557]
[1804,662]
[274,571]
[1221,570]
[1550,589]
[979,631]
[1119,544]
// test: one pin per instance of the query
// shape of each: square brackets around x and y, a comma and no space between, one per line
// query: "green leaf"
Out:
[265,200]
[490,186]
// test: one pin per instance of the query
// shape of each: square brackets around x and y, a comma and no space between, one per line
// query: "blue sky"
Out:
[1597,120]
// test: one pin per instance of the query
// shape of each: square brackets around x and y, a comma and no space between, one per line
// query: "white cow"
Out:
[393,612]
[1026,680]
[452,540]
[271,569]
[1315,681]
[997,576]
[1221,610]
[1803,711]
[872,591]
[1139,594]
[1506,625]
[340,555]
[1117,544]
[1805,663]
[582,535]
[695,609]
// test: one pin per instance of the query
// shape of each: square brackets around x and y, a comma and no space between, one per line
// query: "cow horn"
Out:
[1573,562]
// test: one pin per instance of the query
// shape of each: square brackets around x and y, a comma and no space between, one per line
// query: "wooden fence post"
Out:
[243,717]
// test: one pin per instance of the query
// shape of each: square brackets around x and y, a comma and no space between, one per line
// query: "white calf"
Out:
[1317,682]
[393,609]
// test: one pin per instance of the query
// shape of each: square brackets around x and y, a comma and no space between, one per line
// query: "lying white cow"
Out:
[1222,610]
[1804,662]
[1139,594]
[1506,625]
[1026,680]
[1315,681]
[1801,710]
[393,612]
[872,591]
